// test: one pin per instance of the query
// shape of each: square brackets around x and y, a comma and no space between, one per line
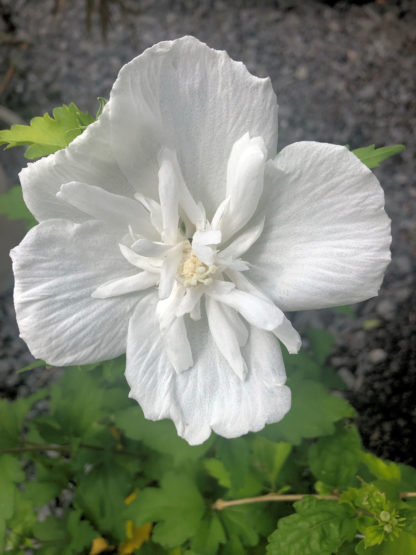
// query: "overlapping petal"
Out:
[186,96]
[88,159]
[326,236]
[210,396]
[57,267]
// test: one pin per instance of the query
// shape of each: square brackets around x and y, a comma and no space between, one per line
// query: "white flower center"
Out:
[192,271]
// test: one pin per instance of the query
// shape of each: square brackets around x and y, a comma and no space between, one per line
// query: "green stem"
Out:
[65,449]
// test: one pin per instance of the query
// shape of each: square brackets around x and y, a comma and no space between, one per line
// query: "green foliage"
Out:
[334,460]
[45,134]
[372,157]
[318,527]
[177,506]
[13,206]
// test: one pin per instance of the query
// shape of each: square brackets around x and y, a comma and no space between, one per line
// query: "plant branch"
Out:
[221,504]
[65,449]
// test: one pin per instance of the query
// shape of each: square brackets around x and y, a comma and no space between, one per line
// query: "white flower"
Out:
[171,230]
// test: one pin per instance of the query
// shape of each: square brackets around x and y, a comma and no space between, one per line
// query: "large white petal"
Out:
[88,159]
[208,396]
[188,97]
[57,267]
[326,236]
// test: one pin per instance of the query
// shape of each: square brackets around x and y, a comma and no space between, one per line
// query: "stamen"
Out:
[192,271]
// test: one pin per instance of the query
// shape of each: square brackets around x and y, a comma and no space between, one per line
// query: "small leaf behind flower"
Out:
[372,157]
[13,206]
[45,134]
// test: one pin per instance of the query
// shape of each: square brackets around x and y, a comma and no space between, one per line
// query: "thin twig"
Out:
[221,504]
[67,448]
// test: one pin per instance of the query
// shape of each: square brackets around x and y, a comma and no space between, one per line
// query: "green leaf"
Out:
[319,527]
[76,408]
[372,157]
[335,459]
[81,533]
[101,103]
[345,310]
[234,453]
[177,507]
[52,529]
[10,473]
[13,206]
[45,134]
[217,470]
[242,524]
[100,495]
[404,544]
[12,415]
[321,343]
[160,436]
[269,457]
[209,536]
[383,470]
[24,518]
[314,413]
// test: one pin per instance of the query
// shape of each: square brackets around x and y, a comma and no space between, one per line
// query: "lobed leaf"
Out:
[45,134]
[319,527]
[372,157]
[335,459]
[176,506]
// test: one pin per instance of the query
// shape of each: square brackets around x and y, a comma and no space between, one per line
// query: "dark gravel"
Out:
[343,74]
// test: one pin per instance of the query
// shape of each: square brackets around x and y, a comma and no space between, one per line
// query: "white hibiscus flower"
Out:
[171,230]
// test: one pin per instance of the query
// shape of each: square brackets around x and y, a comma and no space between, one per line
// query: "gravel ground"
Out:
[343,74]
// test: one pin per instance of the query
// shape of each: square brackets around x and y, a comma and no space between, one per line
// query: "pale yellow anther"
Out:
[192,271]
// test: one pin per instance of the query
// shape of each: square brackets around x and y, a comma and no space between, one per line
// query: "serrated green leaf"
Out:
[321,343]
[75,409]
[81,533]
[101,103]
[319,527]
[240,525]
[13,206]
[217,470]
[177,507]
[314,413]
[382,470]
[12,415]
[45,134]
[234,453]
[160,436]
[372,157]
[335,459]
[100,495]
[269,457]
[10,473]
[209,536]
[21,524]
[404,544]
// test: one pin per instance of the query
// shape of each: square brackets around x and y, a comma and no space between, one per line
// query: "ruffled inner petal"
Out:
[257,311]
[125,285]
[115,210]
[245,178]
[177,346]
[225,337]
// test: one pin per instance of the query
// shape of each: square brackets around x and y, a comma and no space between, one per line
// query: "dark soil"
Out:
[344,72]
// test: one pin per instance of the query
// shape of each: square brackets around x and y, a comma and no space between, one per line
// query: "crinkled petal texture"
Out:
[210,396]
[57,267]
[193,99]
[326,236]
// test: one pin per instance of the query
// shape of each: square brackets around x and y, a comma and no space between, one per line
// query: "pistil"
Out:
[192,271]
